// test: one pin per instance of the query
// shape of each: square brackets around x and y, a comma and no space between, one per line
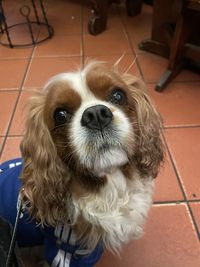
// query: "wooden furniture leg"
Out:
[176,59]
[164,14]
[98,20]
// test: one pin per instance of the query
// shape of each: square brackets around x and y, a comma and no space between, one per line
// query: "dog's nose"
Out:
[96,117]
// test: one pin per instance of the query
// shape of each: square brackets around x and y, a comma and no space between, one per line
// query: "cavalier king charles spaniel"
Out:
[91,150]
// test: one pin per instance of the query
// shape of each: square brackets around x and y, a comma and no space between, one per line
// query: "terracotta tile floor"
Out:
[172,229]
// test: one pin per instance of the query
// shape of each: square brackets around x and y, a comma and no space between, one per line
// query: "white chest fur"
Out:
[119,209]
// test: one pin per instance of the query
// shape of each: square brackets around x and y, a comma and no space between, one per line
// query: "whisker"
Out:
[58,126]
[131,64]
[119,60]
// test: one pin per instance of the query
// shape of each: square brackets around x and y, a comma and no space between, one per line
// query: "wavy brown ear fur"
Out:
[43,171]
[150,149]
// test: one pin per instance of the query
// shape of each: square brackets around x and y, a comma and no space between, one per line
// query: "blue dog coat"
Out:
[61,248]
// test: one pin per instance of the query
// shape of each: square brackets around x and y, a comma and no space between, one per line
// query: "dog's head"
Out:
[80,127]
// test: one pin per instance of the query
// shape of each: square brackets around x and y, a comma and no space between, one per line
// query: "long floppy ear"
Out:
[43,171]
[149,146]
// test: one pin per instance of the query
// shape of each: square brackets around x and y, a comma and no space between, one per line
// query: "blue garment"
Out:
[61,248]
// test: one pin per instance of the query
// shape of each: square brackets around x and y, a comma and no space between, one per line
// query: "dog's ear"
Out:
[149,152]
[43,171]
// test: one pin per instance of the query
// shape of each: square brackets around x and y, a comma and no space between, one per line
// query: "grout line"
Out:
[60,56]
[9,89]
[169,204]
[182,188]
[109,55]
[174,167]
[181,126]
[176,202]
[14,58]
[193,221]
[12,135]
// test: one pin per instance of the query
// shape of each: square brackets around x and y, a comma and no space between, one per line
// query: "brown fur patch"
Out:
[101,80]
[127,170]
[60,95]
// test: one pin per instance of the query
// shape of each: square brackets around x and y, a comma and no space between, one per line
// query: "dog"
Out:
[91,150]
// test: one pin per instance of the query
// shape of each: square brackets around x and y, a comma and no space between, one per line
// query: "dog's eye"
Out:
[61,116]
[118,97]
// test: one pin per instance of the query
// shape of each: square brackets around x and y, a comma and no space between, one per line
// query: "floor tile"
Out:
[11,149]
[60,46]
[17,126]
[7,52]
[124,65]
[16,69]
[187,76]
[7,103]
[68,25]
[184,145]
[153,67]
[166,242]
[42,69]
[196,212]
[138,25]
[65,17]
[108,43]
[64,7]
[166,184]
[178,103]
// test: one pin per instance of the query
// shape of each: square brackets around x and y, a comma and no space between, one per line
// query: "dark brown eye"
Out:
[117,96]
[61,116]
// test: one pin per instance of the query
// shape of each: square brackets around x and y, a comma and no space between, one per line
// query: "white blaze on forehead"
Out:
[76,81]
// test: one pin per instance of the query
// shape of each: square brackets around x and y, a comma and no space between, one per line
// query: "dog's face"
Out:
[81,127]
[91,115]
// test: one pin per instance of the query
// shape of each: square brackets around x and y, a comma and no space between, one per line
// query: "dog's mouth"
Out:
[101,151]
[104,148]
[104,157]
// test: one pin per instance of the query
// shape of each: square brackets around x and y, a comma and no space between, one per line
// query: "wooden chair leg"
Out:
[176,61]
[98,20]
[159,43]
[167,77]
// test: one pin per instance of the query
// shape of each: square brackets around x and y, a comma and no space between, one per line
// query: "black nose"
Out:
[96,117]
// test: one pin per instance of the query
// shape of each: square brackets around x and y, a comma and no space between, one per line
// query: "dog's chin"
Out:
[106,160]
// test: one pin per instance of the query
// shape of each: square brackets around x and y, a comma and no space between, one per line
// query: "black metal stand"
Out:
[25,11]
